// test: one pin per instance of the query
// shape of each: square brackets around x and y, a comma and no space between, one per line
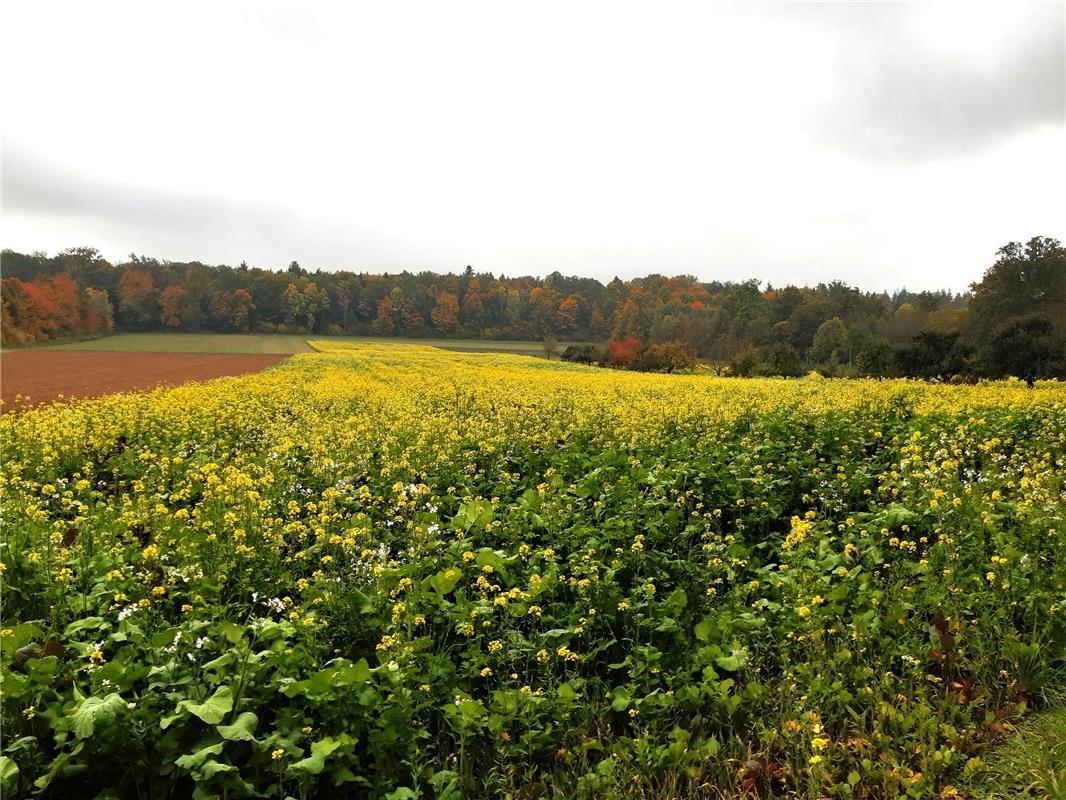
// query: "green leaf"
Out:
[531,499]
[322,683]
[230,631]
[703,630]
[87,624]
[94,710]
[241,730]
[729,663]
[21,635]
[194,760]
[445,783]
[9,770]
[316,762]
[445,580]
[214,709]
[471,709]
[621,699]
[606,767]
[201,764]
[677,599]
[42,670]
[477,513]
[57,765]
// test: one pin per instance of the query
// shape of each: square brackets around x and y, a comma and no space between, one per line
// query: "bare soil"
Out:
[37,377]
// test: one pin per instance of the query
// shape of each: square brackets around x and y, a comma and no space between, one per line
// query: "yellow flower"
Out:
[277,754]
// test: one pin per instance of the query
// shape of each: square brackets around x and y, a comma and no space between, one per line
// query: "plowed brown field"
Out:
[33,377]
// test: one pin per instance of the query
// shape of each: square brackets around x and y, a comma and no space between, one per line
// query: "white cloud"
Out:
[598,139]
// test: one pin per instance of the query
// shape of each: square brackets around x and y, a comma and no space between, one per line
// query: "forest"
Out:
[1010,322]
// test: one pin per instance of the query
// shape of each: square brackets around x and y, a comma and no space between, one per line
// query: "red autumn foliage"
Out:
[47,309]
[622,352]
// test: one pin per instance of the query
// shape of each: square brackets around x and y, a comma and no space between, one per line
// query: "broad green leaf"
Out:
[202,764]
[677,599]
[445,580]
[214,709]
[703,630]
[531,499]
[241,730]
[730,663]
[471,709]
[230,631]
[316,762]
[193,760]
[9,770]
[87,624]
[95,710]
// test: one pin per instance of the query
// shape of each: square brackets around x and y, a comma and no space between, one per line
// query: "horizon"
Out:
[884,145]
[764,285]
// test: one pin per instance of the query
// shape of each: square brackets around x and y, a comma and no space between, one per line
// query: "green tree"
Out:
[301,302]
[551,347]
[932,354]
[830,342]
[1027,280]
[780,359]
[1026,348]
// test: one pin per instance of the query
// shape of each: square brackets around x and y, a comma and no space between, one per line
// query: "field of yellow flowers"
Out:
[387,571]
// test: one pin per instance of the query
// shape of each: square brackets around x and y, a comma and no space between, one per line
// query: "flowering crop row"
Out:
[392,571]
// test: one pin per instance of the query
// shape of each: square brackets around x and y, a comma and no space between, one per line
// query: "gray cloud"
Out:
[902,100]
[174,224]
[882,143]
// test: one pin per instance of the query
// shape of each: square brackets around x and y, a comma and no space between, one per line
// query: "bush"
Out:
[666,357]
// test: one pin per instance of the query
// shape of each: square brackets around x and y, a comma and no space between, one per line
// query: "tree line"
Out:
[1012,321]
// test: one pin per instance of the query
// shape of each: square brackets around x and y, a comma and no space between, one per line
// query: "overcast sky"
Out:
[885,144]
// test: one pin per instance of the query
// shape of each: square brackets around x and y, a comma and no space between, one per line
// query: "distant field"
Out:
[278,343]
[528,348]
[35,377]
[193,343]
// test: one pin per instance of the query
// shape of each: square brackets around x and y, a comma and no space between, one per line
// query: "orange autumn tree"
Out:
[445,313]
[45,310]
